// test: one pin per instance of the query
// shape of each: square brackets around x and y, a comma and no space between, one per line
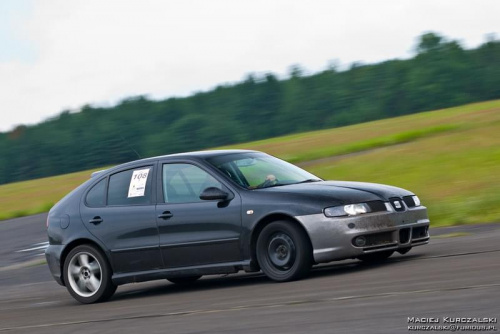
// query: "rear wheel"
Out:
[376,257]
[284,252]
[184,280]
[87,275]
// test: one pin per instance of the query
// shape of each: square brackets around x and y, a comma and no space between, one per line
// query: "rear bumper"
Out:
[332,238]
[53,255]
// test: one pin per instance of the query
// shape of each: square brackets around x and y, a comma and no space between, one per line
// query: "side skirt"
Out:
[208,269]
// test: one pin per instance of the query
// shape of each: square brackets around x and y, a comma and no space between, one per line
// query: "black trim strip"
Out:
[195,243]
[144,248]
[388,245]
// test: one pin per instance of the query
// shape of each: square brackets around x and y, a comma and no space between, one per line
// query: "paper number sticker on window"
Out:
[138,183]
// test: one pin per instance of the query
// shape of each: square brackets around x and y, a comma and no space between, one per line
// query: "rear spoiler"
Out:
[94,174]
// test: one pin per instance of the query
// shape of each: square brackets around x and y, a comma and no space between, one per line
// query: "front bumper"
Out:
[332,238]
[53,255]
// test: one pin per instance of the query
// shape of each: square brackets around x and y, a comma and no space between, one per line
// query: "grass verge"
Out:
[450,158]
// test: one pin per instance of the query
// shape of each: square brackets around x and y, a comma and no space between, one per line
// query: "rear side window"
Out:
[97,195]
[130,187]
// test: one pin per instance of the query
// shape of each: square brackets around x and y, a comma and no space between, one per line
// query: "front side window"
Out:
[183,183]
[131,187]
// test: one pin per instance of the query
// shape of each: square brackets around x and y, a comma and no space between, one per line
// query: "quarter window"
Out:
[183,183]
[96,195]
[130,187]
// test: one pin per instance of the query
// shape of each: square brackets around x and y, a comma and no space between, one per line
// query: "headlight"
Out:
[350,209]
[356,209]
[416,200]
[335,211]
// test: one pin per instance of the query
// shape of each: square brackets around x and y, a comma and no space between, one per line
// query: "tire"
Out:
[376,257]
[284,252]
[87,275]
[184,280]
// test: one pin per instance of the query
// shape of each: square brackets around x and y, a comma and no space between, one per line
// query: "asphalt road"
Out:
[451,277]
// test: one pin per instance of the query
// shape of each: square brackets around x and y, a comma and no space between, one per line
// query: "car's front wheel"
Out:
[376,257]
[87,275]
[283,251]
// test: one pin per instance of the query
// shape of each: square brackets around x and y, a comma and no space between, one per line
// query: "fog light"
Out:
[360,241]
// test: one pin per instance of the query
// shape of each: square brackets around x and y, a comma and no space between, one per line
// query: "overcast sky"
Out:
[62,54]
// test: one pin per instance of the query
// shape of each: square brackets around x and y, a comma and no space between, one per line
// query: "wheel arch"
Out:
[263,222]
[78,242]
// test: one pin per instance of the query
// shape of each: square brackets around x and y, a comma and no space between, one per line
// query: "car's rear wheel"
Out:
[376,257]
[87,275]
[283,251]
[184,280]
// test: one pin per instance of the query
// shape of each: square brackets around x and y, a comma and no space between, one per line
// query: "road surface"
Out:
[456,275]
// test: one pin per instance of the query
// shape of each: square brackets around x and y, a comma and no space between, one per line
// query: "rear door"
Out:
[119,210]
[194,231]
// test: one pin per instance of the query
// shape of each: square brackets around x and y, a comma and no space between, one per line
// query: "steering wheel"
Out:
[270,180]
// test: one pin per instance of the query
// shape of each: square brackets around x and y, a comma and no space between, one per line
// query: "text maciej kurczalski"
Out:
[451,320]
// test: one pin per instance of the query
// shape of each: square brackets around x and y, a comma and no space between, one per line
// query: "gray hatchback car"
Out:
[182,216]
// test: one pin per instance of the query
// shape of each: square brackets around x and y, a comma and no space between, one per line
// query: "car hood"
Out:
[341,191]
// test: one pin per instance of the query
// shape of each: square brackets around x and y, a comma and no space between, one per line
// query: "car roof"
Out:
[195,154]
[198,154]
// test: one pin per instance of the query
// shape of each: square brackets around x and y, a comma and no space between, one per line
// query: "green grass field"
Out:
[450,158]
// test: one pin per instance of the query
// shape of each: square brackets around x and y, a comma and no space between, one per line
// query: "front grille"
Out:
[409,201]
[404,235]
[377,206]
[397,204]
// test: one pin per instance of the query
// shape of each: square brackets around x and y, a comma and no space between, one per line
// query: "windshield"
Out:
[259,170]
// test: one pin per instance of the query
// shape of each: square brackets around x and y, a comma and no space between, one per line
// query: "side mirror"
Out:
[213,193]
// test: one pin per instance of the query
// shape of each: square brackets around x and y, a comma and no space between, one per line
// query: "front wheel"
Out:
[87,275]
[284,252]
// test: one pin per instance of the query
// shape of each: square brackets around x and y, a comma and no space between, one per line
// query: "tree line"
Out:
[441,74]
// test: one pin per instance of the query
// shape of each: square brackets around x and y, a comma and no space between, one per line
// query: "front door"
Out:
[120,212]
[194,231]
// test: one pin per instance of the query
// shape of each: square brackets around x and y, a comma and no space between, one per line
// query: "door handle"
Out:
[96,220]
[166,215]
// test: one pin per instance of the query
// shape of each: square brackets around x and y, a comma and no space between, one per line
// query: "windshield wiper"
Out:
[287,184]
[308,181]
